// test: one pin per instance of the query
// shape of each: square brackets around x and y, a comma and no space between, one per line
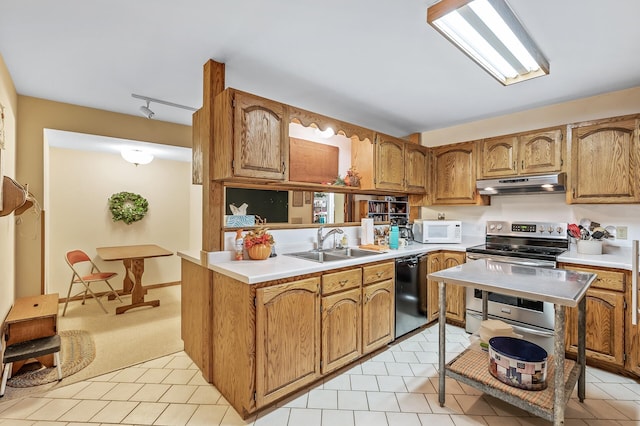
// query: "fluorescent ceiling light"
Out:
[135,156]
[489,33]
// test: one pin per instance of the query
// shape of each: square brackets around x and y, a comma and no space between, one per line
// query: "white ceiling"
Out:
[373,63]
[95,143]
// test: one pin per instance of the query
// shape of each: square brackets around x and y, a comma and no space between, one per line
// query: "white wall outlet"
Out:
[621,232]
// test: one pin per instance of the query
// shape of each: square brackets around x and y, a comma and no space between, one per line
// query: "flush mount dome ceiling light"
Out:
[490,33]
[136,156]
[146,111]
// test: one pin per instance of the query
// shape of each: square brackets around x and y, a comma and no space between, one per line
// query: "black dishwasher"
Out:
[411,276]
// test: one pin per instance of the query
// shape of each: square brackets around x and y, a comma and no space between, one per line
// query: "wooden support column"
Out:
[212,194]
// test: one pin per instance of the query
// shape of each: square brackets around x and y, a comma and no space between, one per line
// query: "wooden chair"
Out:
[27,350]
[76,259]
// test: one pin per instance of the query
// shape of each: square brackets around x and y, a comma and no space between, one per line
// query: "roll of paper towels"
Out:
[366,231]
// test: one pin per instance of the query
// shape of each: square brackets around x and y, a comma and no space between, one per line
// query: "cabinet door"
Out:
[341,329]
[287,338]
[498,157]
[260,132]
[434,264]
[604,163]
[389,166]
[456,295]
[454,175]
[416,168]
[378,315]
[604,327]
[540,152]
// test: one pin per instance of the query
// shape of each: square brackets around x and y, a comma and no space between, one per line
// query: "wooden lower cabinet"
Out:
[378,315]
[605,326]
[287,338]
[605,318]
[341,329]
[269,340]
[456,295]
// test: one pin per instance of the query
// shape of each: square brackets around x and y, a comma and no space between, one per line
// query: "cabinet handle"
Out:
[514,165]
[379,273]
[343,282]
[284,167]
[522,165]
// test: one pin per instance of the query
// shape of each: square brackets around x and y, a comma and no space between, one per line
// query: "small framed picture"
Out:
[297,199]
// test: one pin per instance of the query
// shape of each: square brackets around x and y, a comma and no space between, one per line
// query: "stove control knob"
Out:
[560,230]
[499,227]
[492,227]
[550,229]
[541,230]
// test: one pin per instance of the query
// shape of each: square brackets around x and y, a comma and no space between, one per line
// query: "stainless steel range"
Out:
[518,243]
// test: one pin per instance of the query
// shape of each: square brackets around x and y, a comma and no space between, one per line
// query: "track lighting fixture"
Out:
[147,112]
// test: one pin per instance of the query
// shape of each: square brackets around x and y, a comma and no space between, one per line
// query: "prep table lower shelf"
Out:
[472,368]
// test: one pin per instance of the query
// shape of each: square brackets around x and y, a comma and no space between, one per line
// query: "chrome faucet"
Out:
[321,238]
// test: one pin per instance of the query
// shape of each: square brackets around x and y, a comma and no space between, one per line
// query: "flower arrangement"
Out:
[257,237]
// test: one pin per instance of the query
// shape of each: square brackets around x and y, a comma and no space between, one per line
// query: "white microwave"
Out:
[437,231]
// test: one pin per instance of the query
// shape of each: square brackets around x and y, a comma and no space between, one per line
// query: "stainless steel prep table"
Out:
[561,287]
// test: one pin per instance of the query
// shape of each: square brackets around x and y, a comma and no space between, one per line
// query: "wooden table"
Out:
[30,318]
[133,258]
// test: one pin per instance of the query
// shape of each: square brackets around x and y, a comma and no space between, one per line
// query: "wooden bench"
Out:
[30,349]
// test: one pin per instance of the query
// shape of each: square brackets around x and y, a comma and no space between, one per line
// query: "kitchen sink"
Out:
[331,255]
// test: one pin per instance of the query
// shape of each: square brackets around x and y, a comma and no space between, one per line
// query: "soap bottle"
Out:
[239,245]
[345,241]
[394,236]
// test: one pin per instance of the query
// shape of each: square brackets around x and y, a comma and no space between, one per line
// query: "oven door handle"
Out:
[518,328]
[510,260]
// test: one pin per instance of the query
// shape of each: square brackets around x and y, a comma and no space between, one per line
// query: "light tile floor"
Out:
[394,387]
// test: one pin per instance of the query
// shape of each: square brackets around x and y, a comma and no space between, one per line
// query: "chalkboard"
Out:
[270,205]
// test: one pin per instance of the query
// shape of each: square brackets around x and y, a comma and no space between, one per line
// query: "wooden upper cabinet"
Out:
[250,137]
[541,152]
[498,157]
[453,175]
[529,153]
[416,163]
[389,164]
[604,161]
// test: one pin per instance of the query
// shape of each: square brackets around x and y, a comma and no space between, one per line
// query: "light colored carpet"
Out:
[135,336]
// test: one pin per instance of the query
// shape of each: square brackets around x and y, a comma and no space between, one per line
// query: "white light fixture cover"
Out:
[135,156]
[489,33]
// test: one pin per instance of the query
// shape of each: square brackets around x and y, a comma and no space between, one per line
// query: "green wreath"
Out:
[128,207]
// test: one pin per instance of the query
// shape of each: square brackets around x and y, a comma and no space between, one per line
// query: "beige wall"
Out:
[9,99]
[80,183]
[39,114]
[602,106]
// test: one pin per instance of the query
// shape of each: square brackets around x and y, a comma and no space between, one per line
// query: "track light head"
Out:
[146,111]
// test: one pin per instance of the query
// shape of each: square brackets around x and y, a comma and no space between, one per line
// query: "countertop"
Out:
[558,286]
[611,257]
[283,266]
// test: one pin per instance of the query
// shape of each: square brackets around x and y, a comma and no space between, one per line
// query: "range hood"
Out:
[540,184]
